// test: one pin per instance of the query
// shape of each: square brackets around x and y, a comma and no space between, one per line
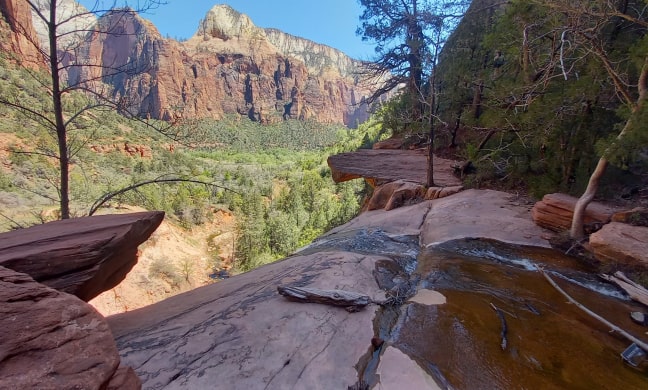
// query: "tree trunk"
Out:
[526,55]
[453,140]
[576,232]
[61,130]
[478,90]
[430,170]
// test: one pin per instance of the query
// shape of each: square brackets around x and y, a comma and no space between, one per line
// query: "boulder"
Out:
[53,340]
[80,256]
[555,212]
[620,243]
[395,194]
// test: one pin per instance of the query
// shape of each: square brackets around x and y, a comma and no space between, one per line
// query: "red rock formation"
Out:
[620,243]
[555,212]
[442,192]
[17,34]
[80,256]
[395,194]
[223,69]
[53,340]
[391,143]
[383,165]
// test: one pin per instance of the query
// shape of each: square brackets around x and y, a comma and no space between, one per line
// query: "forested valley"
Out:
[274,178]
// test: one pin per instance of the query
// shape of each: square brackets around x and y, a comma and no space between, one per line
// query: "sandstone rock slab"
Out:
[80,256]
[555,212]
[390,143]
[53,340]
[398,371]
[241,334]
[481,214]
[381,165]
[621,243]
[441,192]
[406,221]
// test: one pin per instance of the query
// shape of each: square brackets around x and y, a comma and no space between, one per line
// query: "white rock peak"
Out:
[224,22]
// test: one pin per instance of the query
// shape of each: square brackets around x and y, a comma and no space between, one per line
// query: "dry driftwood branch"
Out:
[613,327]
[504,330]
[635,291]
[351,301]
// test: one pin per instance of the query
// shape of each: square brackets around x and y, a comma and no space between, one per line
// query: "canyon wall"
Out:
[230,66]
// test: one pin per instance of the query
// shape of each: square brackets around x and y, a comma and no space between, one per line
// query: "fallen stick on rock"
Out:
[504,330]
[613,327]
[635,291]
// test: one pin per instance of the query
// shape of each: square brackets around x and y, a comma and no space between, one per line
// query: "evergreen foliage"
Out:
[536,93]
[274,178]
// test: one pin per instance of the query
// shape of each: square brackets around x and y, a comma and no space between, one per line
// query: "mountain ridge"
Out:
[230,66]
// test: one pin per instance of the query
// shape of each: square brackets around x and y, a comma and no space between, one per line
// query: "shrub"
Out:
[162,268]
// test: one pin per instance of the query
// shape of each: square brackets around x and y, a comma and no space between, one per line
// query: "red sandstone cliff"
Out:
[17,34]
[229,66]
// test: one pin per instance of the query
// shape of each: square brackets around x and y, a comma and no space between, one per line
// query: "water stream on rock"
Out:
[550,343]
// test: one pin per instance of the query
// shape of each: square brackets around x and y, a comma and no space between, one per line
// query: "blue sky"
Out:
[331,22]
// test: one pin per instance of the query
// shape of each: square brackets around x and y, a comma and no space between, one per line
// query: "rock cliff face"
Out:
[71,29]
[229,66]
[16,31]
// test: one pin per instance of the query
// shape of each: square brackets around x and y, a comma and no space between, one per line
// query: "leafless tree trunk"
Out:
[58,122]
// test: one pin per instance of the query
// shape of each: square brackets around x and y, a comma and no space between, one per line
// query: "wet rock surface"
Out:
[550,343]
[482,214]
[53,340]
[430,323]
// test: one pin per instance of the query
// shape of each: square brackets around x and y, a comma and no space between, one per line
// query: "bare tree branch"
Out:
[105,198]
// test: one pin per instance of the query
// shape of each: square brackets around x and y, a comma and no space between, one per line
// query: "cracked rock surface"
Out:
[241,334]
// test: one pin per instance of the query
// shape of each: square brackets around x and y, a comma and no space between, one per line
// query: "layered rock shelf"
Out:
[80,256]
[555,212]
[50,338]
[241,334]
[378,166]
